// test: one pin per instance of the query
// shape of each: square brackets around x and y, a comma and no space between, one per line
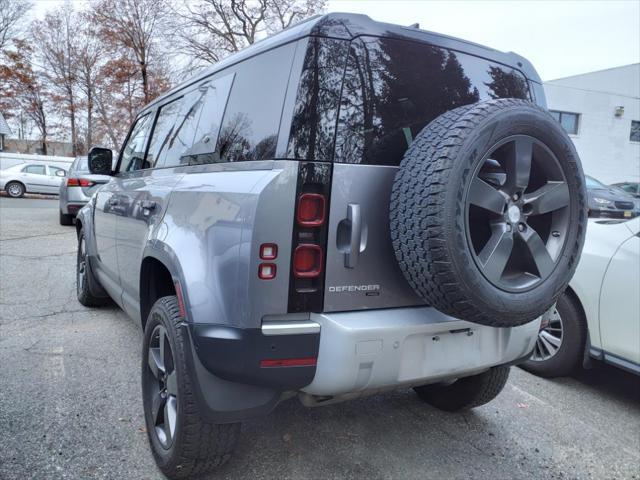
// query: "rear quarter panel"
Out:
[217,217]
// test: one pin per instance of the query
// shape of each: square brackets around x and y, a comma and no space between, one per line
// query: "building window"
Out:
[634,136]
[1,142]
[568,120]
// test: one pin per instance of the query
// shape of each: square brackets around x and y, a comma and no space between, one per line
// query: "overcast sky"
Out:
[560,38]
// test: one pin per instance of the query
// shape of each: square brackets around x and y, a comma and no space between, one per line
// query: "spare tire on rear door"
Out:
[488,212]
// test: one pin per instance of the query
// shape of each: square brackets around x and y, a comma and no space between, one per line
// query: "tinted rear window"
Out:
[81,164]
[394,88]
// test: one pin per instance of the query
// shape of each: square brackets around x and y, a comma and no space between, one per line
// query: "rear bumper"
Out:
[371,350]
[72,200]
[235,354]
[356,352]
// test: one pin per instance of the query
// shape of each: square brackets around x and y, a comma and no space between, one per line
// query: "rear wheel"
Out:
[15,189]
[465,393]
[561,340]
[65,219]
[183,442]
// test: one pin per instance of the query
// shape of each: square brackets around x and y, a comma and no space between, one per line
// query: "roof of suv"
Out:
[348,26]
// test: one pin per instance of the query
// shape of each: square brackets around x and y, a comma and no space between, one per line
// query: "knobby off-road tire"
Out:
[488,212]
[465,393]
[87,285]
[183,442]
[567,334]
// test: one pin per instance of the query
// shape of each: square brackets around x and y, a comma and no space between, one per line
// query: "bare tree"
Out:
[90,50]
[24,88]
[288,12]
[12,13]
[212,29]
[134,26]
[55,41]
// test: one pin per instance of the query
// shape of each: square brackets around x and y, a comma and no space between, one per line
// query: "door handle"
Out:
[148,204]
[113,201]
[354,217]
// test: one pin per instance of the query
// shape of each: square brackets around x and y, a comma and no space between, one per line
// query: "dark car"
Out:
[610,202]
[632,188]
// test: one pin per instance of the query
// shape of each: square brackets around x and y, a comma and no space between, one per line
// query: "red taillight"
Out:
[78,182]
[311,210]
[289,362]
[307,261]
[267,271]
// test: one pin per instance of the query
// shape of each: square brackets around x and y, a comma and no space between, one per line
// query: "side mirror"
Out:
[60,173]
[100,161]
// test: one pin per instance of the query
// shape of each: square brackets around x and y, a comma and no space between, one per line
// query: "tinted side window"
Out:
[37,169]
[216,93]
[133,152]
[182,133]
[162,132]
[192,139]
[252,118]
[394,88]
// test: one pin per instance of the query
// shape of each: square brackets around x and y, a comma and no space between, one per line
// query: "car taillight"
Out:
[306,281]
[307,261]
[78,182]
[311,210]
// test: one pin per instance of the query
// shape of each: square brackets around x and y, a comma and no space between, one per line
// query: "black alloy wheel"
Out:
[517,213]
[160,387]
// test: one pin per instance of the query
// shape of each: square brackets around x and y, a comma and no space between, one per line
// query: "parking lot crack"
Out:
[27,237]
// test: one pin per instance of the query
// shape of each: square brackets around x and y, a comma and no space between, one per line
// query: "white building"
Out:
[4,131]
[601,112]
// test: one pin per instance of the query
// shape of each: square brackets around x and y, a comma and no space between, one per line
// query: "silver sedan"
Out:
[31,178]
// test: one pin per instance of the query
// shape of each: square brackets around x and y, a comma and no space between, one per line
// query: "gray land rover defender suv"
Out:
[344,208]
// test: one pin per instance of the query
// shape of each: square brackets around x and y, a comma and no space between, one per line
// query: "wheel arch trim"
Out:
[165,255]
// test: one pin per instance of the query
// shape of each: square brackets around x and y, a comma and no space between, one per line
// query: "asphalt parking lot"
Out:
[70,402]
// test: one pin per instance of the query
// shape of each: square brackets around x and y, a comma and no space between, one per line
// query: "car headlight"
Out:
[602,201]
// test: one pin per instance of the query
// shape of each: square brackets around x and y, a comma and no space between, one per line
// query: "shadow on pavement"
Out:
[611,381]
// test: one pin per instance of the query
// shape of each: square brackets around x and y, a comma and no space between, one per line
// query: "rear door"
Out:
[391,90]
[142,195]
[109,207]
[35,179]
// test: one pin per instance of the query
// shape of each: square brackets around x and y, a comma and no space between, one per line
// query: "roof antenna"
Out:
[414,25]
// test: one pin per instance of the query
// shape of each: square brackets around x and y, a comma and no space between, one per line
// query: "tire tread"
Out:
[418,221]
